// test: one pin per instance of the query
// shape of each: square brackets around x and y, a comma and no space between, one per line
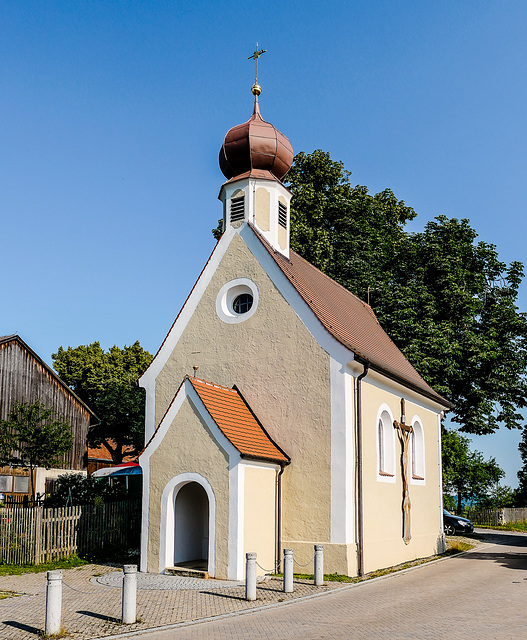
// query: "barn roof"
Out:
[5,340]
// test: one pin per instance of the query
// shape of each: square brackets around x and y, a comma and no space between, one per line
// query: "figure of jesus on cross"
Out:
[405,433]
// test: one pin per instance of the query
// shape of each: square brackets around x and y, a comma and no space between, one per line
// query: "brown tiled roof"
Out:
[350,320]
[101,453]
[237,422]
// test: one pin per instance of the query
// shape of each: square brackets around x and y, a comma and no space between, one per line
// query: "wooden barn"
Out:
[25,377]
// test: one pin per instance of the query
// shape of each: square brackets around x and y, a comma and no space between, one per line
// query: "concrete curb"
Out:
[273,605]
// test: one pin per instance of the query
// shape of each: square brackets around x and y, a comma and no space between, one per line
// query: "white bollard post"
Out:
[130,594]
[250,576]
[319,565]
[288,570]
[53,603]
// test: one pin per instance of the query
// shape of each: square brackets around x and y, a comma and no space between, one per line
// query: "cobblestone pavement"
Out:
[482,593]
[156,582]
[91,609]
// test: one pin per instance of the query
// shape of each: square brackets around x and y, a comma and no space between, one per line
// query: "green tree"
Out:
[75,488]
[467,476]
[520,499]
[35,436]
[447,301]
[106,382]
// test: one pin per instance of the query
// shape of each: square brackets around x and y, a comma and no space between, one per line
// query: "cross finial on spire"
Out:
[257,54]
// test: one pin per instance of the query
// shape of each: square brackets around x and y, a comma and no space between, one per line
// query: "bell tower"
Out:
[255,157]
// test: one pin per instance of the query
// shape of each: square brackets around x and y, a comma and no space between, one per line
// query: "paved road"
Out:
[480,595]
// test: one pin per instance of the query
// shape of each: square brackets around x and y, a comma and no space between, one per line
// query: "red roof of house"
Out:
[350,320]
[101,453]
[237,422]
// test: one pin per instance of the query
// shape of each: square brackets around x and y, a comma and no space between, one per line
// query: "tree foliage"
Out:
[75,488]
[521,491]
[106,382]
[447,301]
[467,476]
[35,437]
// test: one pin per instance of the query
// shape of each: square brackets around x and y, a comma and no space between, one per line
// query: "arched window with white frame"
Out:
[418,452]
[385,439]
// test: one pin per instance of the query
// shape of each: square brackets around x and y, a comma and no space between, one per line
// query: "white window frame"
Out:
[385,445]
[228,294]
[417,453]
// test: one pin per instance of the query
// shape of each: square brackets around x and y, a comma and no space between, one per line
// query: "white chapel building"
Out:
[304,423]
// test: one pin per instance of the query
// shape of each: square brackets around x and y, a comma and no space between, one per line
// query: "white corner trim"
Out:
[236,521]
[166,538]
[144,463]
[342,463]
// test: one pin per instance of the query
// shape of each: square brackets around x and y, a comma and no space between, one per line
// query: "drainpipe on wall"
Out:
[279,516]
[360,505]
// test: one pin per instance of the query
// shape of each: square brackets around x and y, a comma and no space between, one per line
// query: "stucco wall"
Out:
[188,446]
[260,514]
[383,516]
[282,373]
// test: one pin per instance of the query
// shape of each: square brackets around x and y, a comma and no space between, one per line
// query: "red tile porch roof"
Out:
[237,422]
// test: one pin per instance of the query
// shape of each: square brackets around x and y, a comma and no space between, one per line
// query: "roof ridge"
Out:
[211,384]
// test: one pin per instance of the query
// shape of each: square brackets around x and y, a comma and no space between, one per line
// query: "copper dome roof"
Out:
[255,144]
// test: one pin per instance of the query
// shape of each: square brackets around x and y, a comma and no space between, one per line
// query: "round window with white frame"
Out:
[237,300]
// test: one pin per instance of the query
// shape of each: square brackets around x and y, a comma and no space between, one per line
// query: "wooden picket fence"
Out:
[33,535]
[492,517]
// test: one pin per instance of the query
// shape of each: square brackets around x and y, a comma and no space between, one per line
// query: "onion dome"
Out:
[255,145]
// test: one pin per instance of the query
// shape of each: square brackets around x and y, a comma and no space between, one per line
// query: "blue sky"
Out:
[112,114]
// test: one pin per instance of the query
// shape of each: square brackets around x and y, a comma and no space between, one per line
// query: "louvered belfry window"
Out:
[282,215]
[238,208]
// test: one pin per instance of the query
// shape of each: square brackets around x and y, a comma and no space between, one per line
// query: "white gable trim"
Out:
[147,380]
[293,298]
[186,390]
[384,383]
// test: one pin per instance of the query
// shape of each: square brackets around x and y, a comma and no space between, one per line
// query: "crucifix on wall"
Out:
[405,432]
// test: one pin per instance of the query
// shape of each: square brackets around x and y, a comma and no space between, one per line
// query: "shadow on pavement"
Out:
[222,595]
[99,616]
[513,559]
[23,627]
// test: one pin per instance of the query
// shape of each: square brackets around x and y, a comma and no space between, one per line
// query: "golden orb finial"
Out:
[256,89]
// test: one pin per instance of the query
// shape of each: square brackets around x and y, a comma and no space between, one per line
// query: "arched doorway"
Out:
[191,527]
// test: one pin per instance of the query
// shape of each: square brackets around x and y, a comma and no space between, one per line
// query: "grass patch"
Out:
[51,636]
[19,569]
[8,594]
[458,546]
[509,526]
[455,545]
